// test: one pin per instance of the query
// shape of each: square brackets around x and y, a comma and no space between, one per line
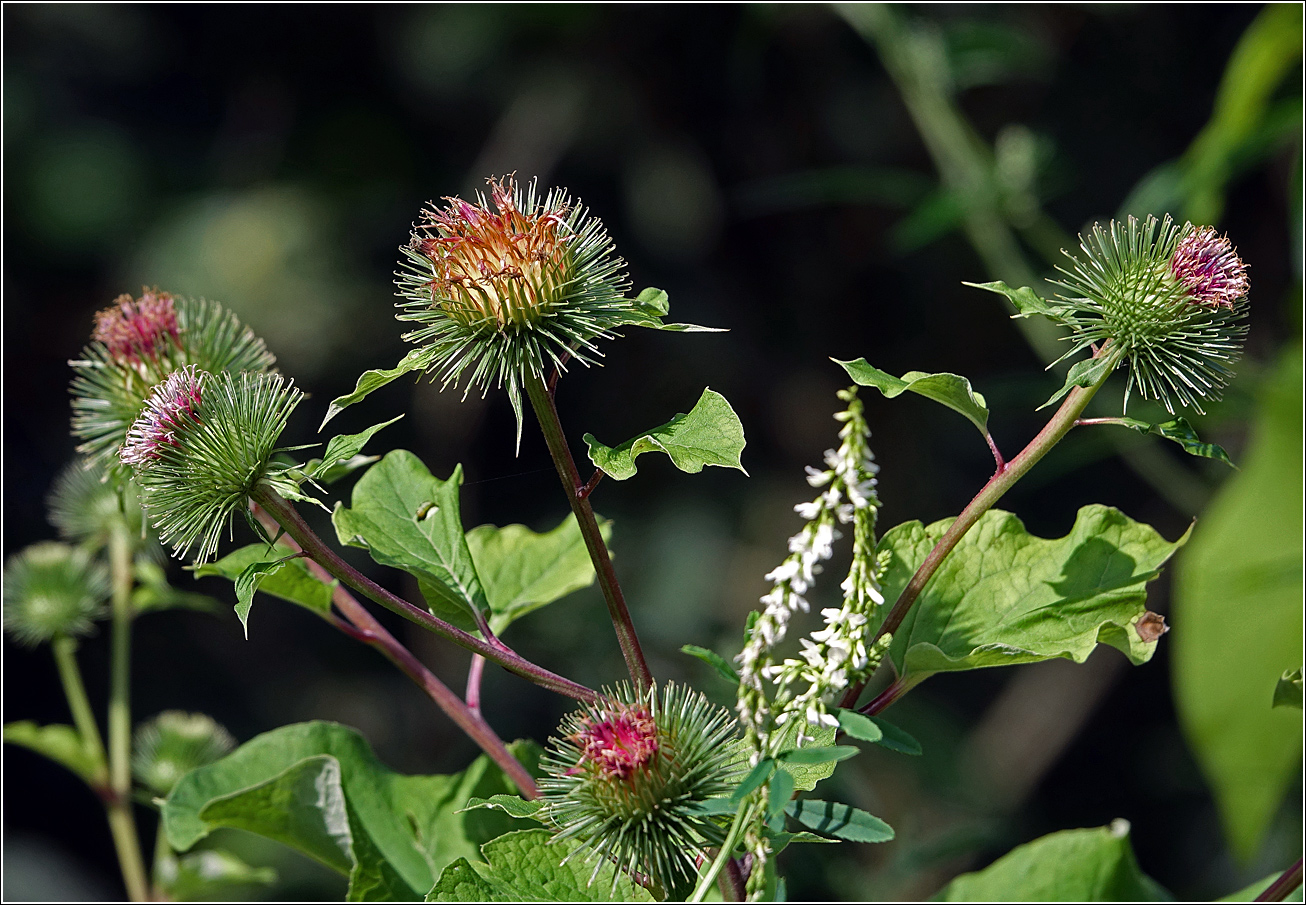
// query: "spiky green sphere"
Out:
[1170,299]
[509,286]
[172,744]
[136,344]
[86,508]
[201,445]
[52,589]
[629,775]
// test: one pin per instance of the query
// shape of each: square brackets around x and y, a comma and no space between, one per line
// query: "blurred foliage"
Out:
[820,194]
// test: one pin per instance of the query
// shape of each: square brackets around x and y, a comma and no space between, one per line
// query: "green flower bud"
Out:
[52,589]
[1170,299]
[86,508]
[201,444]
[136,344]
[506,290]
[172,744]
[628,777]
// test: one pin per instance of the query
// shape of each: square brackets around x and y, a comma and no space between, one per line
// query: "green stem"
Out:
[288,518]
[122,822]
[705,882]
[65,657]
[1002,481]
[578,497]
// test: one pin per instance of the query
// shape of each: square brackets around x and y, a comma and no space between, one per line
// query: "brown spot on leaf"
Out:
[1151,626]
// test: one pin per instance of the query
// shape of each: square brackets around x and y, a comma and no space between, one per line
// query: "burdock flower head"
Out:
[201,445]
[137,342]
[510,284]
[630,774]
[52,590]
[1170,299]
[172,744]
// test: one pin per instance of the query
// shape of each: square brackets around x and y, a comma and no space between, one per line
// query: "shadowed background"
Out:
[779,177]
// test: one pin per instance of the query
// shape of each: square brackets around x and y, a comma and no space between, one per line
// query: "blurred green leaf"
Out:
[1238,597]
[946,389]
[723,667]
[1288,692]
[1004,597]
[1090,865]
[154,594]
[522,571]
[62,744]
[210,875]
[318,788]
[407,518]
[709,435]
[529,866]
[895,739]
[840,820]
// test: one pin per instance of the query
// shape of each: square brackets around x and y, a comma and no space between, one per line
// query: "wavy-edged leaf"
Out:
[1004,597]
[256,567]
[806,776]
[1178,430]
[528,866]
[1091,865]
[62,744]
[318,788]
[522,571]
[813,754]
[370,381]
[407,518]
[841,820]
[709,435]
[950,390]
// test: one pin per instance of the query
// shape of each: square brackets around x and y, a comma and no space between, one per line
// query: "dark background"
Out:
[757,163]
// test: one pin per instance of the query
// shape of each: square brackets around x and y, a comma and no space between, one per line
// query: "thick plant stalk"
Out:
[364,627]
[1002,481]
[578,497]
[118,801]
[288,518]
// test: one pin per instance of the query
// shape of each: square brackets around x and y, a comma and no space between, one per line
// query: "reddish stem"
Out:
[1281,888]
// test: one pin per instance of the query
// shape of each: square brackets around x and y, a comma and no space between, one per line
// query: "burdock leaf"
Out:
[343,448]
[369,381]
[1083,373]
[288,579]
[651,306]
[709,435]
[1004,597]
[951,390]
[62,744]
[407,518]
[1181,432]
[1026,301]
[529,866]
[522,571]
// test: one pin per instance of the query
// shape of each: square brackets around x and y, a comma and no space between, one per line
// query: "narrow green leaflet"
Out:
[1238,596]
[1026,301]
[1083,373]
[522,571]
[779,793]
[895,739]
[1092,865]
[1178,430]
[318,788]
[859,726]
[62,744]
[841,820]
[256,567]
[724,668]
[512,805]
[1287,691]
[709,435]
[406,518]
[369,381]
[1005,597]
[342,449]
[946,389]
[761,772]
[526,867]
[653,305]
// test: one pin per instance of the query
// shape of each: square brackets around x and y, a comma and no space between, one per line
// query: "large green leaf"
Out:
[1091,865]
[946,389]
[318,788]
[1004,596]
[62,744]
[526,866]
[288,579]
[1238,616]
[407,518]
[416,360]
[709,435]
[522,571]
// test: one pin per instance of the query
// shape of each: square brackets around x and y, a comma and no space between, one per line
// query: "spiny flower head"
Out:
[1169,299]
[52,589]
[508,285]
[628,776]
[87,509]
[172,744]
[201,444]
[136,344]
